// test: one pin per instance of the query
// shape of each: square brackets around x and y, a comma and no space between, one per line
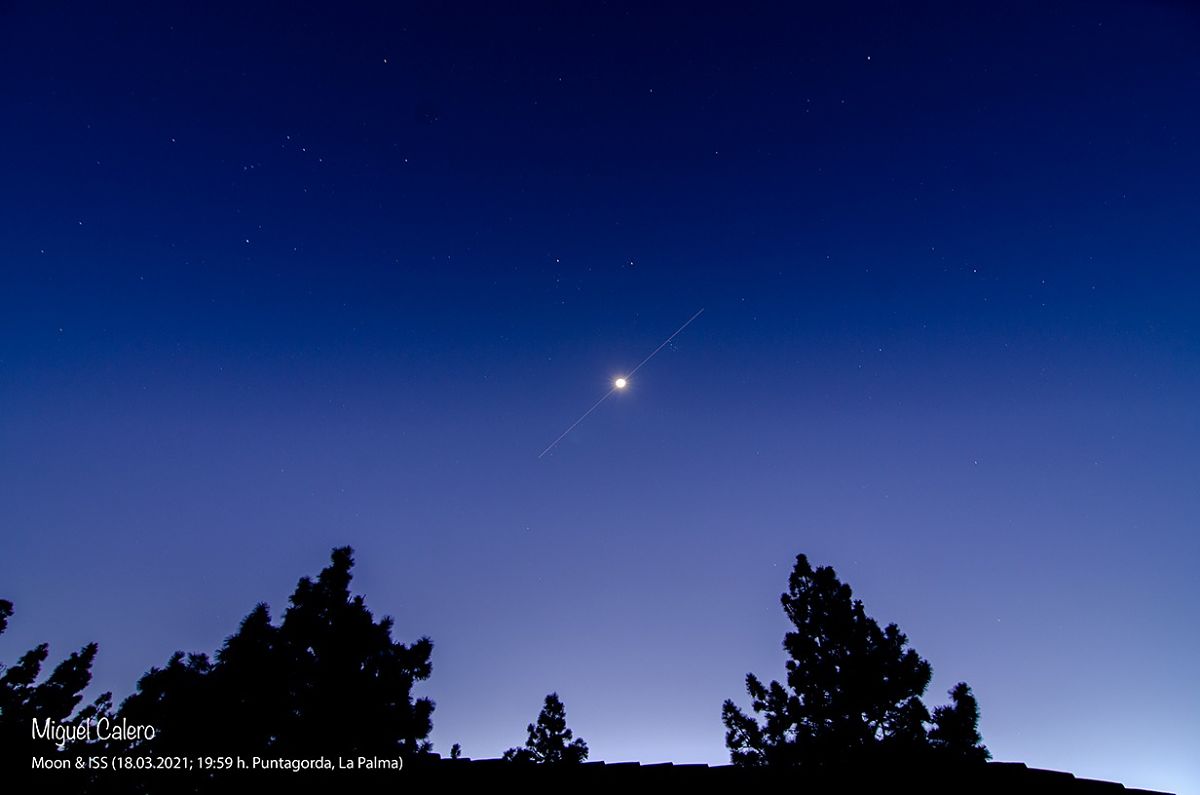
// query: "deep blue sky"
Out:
[281,279]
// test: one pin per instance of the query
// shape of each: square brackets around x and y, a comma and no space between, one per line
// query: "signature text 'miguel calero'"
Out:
[90,729]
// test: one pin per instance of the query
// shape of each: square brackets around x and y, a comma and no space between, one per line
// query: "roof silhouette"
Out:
[992,777]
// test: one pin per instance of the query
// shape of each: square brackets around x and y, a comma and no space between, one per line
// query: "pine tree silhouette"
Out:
[23,700]
[550,741]
[328,679]
[956,727]
[852,691]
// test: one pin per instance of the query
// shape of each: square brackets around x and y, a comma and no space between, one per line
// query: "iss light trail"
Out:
[618,384]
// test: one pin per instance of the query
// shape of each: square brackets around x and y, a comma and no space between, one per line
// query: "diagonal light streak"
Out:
[607,394]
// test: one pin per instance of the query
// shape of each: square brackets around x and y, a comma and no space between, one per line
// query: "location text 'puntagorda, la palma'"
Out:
[325,763]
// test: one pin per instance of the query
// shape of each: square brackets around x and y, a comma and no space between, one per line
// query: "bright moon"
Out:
[620,383]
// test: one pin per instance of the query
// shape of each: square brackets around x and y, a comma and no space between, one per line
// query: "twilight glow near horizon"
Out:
[283,278]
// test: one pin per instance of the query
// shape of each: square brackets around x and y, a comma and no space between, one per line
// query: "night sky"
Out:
[278,279]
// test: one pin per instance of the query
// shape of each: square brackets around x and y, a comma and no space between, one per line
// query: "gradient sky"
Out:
[279,279]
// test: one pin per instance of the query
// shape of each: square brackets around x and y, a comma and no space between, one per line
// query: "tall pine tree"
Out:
[852,691]
[328,679]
